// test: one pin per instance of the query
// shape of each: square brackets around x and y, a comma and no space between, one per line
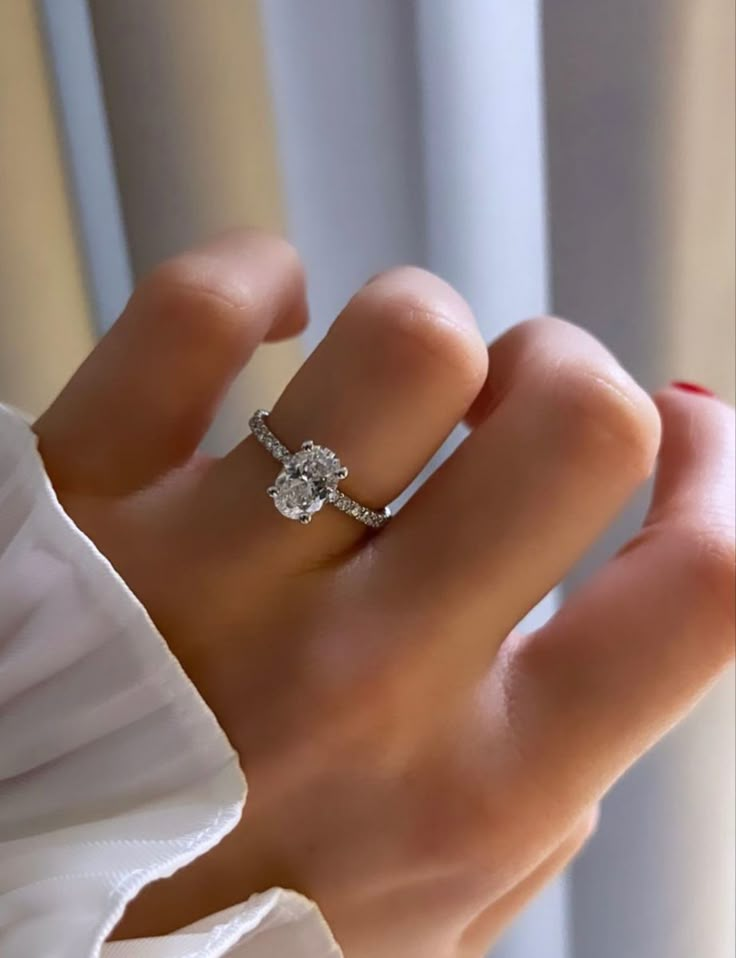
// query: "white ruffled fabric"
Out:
[113,771]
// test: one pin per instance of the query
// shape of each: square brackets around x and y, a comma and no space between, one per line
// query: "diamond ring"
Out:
[309,479]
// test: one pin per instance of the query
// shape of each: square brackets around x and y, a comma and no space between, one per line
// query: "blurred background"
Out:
[567,155]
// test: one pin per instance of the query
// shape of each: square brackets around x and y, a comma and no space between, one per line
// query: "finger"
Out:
[569,439]
[141,402]
[637,646]
[488,926]
[396,372]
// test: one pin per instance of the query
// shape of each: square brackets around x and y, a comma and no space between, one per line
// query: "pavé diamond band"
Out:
[309,478]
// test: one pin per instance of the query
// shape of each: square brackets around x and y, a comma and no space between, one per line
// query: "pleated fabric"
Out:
[113,770]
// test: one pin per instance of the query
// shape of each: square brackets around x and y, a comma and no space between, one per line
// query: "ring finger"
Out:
[397,371]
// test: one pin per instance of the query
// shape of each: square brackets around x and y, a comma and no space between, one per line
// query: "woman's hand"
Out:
[415,766]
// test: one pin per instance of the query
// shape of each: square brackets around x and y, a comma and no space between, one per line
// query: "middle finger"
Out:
[569,438]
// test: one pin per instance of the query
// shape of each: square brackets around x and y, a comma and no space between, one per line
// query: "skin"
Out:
[415,765]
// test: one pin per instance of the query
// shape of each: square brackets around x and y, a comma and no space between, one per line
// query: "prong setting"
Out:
[309,478]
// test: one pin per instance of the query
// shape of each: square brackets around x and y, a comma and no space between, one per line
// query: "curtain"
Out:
[573,156]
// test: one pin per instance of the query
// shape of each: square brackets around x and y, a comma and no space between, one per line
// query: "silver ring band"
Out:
[309,479]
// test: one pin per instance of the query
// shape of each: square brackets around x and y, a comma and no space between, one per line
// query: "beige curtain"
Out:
[194,155]
[45,322]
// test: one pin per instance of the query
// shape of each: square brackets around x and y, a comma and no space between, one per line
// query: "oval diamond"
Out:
[308,480]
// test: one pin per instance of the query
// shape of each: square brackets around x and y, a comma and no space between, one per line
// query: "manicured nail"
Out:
[693,388]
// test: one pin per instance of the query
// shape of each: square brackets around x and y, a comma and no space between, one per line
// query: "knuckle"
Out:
[191,298]
[278,257]
[178,283]
[272,245]
[212,290]
[422,328]
[605,417]
[424,319]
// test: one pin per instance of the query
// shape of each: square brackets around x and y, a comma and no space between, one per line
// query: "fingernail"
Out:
[693,388]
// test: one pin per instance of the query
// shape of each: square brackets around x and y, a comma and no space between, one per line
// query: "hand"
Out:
[415,766]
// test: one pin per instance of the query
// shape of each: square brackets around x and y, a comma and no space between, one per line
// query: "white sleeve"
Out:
[113,771]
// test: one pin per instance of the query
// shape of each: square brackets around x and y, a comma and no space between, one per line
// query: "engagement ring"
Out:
[309,479]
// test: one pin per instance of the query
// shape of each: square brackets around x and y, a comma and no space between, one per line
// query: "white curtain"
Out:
[573,154]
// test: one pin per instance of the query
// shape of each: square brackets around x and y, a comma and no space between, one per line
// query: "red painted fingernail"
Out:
[693,388]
